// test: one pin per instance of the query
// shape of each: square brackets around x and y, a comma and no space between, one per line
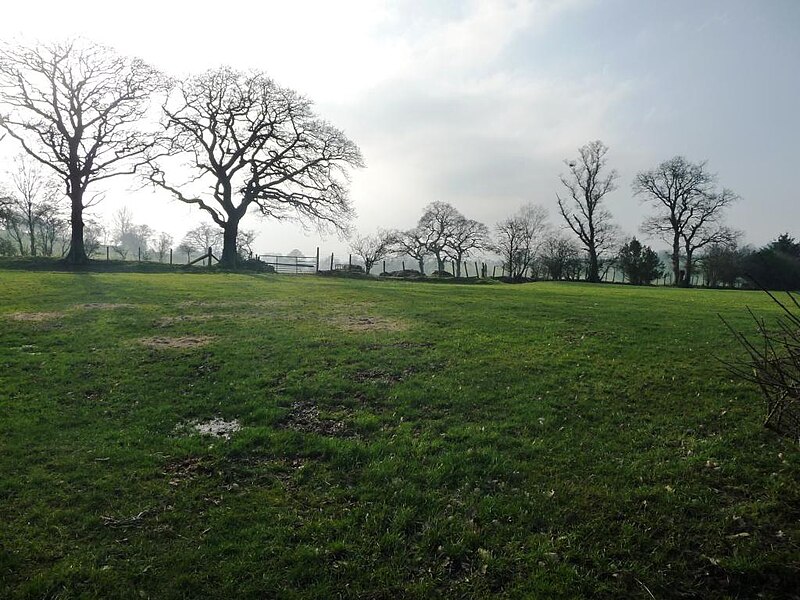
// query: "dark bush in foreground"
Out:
[774,366]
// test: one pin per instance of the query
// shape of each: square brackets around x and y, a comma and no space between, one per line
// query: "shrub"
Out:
[640,264]
[774,366]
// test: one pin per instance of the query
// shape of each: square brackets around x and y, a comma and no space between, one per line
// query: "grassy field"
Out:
[397,440]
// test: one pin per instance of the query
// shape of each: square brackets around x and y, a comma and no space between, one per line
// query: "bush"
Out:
[253,264]
[352,269]
[411,273]
[774,366]
[442,274]
[640,264]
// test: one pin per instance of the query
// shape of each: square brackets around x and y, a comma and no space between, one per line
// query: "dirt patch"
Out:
[169,321]
[304,417]
[35,317]
[403,345]
[184,470]
[104,306]
[160,343]
[369,323]
[380,376]
[216,427]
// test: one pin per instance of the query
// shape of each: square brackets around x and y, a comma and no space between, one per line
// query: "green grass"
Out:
[542,440]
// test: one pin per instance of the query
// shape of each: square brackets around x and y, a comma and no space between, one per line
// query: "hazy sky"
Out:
[477,103]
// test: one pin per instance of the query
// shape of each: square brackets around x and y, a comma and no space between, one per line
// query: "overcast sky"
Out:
[478,103]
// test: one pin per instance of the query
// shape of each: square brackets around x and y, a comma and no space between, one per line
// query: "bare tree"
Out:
[467,235]
[186,248]
[583,210]
[202,237]
[690,210]
[372,248]
[411,243]
[518,238]
[129,236]
[249,143]
[123,226]
[163,245]
[77,108]
[560,257]
[94,235]
[245,241]
[438,223]
[35,195]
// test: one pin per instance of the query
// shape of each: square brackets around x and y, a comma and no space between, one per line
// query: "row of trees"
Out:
[234,143]
[775,266]
[689,208]
[226,141]
[33,217]
[689,215]
[30,212]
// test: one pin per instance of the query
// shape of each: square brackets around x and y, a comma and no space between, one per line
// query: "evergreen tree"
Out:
[640,264]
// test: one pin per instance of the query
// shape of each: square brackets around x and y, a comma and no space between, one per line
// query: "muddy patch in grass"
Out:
[382,376]
[404,345]
[105,305]
[178,319]
[35,317]
[361,323]
[186,469]
[240,304]
[305,417]
[189,341]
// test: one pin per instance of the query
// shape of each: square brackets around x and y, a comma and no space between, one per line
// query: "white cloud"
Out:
[422,88]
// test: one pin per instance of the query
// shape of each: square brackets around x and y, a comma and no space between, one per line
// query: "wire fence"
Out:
[298,264]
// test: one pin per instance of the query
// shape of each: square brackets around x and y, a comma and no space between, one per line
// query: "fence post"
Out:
[350,263]
[317,259]
[107,253]
[466,270]
[494,268]
[170,256]
[384,266]
[404,265]
[209,256]
[331,261]
[140,254]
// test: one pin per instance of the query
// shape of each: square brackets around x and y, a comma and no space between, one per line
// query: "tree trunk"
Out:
[31,233]
[676,262]
[687,281]
[439,262]
[230,232]
[458,267]
[77,251]
[594,268]
[421,262]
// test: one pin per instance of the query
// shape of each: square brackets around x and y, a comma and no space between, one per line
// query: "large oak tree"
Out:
[77,108]
[690,210]
[243,142]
